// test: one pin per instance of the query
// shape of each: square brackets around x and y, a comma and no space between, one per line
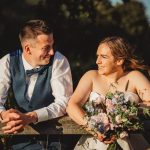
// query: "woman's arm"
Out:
[79,97]
[142,85]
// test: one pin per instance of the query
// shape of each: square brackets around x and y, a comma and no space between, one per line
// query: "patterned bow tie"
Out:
[36,70]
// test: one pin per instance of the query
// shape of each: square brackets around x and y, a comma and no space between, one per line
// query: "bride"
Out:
[117,67]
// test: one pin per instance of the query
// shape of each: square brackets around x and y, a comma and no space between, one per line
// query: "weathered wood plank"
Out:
[62,125]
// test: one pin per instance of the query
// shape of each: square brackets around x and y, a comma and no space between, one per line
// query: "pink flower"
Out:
[104,118]
[112,126]
[96,118]
[101,117]
[110,106]
[109,103]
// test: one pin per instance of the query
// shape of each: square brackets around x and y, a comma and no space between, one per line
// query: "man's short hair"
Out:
[33,28]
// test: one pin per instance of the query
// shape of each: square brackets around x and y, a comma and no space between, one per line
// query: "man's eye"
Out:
[46,49]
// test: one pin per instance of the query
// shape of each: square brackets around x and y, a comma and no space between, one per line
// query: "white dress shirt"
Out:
[61,83]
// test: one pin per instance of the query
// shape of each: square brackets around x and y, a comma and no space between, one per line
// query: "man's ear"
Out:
[120,62]
[27,48]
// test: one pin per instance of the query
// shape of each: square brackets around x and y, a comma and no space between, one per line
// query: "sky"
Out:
[145,2]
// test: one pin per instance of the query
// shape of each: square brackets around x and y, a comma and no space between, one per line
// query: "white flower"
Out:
[96,98]
[123,134]
[118,119]
[116,95]
[131,97]
[124,119]
[127,111]
[114,101]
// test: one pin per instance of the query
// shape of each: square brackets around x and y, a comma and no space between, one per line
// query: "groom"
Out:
[40,79]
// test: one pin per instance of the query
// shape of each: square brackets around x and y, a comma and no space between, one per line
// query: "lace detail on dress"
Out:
[98,98]
[131,96]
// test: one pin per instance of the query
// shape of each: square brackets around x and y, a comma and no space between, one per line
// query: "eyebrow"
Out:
[102,55]
[46,46]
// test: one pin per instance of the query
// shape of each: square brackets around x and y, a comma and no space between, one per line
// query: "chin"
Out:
[43,63]
[100,72]
[46,62]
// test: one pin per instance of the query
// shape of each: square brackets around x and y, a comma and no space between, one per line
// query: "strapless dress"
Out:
[133,142]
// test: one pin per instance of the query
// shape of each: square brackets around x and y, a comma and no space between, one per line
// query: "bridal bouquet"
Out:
[113,115]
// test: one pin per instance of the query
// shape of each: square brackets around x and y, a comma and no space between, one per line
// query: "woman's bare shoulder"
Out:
[91,73]
[135,74]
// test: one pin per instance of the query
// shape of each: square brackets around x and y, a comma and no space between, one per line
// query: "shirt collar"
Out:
[26,65]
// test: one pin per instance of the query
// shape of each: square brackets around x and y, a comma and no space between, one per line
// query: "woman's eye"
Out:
[104,56]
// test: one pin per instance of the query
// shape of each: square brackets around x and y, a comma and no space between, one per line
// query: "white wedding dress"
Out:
[134,142]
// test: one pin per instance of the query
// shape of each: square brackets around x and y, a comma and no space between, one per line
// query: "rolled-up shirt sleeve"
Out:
[4,80]
[62,89]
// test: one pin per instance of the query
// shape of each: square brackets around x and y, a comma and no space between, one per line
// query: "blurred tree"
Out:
[78,25]
[131,18]
[13,14]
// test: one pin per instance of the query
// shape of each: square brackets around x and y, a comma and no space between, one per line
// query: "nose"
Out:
[98,60]
[51,52]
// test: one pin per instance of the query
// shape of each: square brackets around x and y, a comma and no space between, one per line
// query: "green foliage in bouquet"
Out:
[115,115]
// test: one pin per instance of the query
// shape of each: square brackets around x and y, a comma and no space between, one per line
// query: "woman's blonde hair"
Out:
[121,49]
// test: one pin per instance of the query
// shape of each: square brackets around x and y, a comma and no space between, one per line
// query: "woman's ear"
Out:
[120,62]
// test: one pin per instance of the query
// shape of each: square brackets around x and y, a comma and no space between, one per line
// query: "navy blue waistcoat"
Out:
[42,93]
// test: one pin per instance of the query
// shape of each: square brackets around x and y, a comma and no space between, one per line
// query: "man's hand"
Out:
[11,114]
[16,121]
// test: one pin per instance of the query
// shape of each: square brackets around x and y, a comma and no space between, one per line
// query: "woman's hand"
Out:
[101,138]
[111,140]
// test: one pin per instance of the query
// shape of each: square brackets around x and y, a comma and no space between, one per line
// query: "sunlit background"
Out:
[79,25]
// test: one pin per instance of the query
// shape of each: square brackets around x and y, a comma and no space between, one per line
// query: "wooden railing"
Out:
[62,125]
